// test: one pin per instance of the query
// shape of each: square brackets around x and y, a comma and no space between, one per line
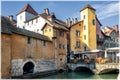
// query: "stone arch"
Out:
[108,70]
[28,62]
[83,68]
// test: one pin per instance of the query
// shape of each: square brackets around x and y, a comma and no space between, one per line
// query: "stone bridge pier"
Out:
[106,68]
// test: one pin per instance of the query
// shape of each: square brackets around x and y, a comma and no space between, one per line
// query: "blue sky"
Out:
[107,11]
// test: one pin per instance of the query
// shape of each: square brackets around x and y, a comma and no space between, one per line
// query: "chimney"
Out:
[50,18]
[67,22]
[76,20]
[116,28]
[70,22]
[10,17]
[73,21]
[46,11]
[53,15]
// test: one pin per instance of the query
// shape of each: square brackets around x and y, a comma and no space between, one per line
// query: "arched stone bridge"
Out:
[75,66]
[96,68]
[105,68]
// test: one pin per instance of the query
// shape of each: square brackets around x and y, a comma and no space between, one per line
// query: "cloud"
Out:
[107,10]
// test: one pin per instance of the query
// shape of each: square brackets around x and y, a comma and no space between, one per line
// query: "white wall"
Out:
[36,25]
[22,17]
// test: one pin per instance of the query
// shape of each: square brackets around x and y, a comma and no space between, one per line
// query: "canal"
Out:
[79,75]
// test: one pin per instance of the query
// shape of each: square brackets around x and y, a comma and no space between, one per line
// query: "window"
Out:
[84,17]
[61,33]
[29,40]
[78,44]
[85,48]
[32,21]
[36,20]
[84,37]
[84,27]
[60,59]
[77,33]
[37,30]
[20,17]
[97,36]
[67,36]
[60,46]
[44,43]
[93,22]
[45,30]
[49,30]
[23,27]
[79,24]
[63,46]
[28,23]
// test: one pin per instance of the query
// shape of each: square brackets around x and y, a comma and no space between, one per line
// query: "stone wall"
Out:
[40,65]
[102,68]
[5,56]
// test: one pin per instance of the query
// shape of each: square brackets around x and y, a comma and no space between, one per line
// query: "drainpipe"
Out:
[56,52]
[11,56]
[55,48]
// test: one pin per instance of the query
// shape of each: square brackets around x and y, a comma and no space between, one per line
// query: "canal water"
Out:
[79,75]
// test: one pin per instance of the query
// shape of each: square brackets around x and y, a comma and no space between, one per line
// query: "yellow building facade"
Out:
[83,33]
[76,34]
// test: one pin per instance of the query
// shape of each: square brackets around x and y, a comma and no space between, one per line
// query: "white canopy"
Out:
[91,51]
[118,54]
[114,48]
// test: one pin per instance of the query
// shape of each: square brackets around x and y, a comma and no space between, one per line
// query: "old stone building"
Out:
[27,47]
[22,48]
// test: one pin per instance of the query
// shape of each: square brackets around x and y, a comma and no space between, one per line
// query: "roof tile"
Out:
[88,6]
[29,9]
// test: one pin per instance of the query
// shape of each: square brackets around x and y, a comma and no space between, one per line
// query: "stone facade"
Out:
[20,52]
[60,43]
[20,46]
[40,65]
[5,56]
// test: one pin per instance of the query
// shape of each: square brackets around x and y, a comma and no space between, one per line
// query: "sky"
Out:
[106,11]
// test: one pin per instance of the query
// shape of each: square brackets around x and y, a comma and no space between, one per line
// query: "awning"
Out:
[118,54]
[91,51]
[114,48]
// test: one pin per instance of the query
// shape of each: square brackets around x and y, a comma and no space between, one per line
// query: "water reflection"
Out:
[80,75]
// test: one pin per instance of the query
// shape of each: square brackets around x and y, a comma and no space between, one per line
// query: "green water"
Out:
[79,75]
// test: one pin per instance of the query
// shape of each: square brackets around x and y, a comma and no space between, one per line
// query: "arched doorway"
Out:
[28,68]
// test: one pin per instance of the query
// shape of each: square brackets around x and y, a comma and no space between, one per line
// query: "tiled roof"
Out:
[29,9]
[5,22]
[98,21]
[76,23]
[88,6]
[32,18]
[108,32]
[56,22]
[6,27]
